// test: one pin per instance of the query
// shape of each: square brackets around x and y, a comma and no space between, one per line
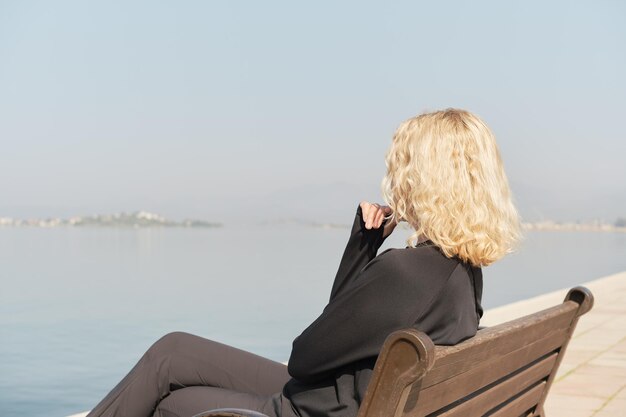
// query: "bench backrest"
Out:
[505,370]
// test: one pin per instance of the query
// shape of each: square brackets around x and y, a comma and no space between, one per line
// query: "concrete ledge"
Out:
[601,288]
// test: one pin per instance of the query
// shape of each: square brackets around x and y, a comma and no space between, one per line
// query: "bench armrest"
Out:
[230,412]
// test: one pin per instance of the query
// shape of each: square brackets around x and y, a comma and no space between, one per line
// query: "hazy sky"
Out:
[221,109]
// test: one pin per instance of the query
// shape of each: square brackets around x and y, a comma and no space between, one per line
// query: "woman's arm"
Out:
[391,293]
[365,239]
[353,326]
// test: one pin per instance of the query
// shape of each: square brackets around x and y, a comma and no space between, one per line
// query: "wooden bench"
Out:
[505,370]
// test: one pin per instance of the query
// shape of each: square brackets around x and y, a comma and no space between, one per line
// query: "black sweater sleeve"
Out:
[354,325]
[372,296]
[362,247]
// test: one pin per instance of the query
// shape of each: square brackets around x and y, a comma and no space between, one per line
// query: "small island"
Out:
[137,219]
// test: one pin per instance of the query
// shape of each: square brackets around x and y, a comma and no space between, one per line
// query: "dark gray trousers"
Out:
[182,374]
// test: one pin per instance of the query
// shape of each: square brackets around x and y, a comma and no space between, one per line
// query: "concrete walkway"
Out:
[591,381]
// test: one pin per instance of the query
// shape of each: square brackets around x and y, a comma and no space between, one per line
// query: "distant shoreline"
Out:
[137,219]
[145,219]
[573,227]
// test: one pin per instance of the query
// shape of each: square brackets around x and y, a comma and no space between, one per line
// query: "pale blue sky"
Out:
[223,109]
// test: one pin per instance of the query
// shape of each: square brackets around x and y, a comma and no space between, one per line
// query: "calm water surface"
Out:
[78,307]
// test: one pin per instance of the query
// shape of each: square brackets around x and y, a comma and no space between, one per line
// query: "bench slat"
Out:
[436,396]
[489,399]
[498,341]
[521,404]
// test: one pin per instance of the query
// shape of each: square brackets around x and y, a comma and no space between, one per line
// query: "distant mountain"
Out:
[336,202]
[537,203]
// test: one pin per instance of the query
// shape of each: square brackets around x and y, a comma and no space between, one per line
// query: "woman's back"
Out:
[332,360]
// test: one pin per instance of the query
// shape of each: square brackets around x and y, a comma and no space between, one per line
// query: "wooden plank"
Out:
[521,404]
[569,308]
[498,341]
[483,374]
[554,337]
[489,399]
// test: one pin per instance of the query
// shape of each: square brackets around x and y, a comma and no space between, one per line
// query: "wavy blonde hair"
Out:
[445,177]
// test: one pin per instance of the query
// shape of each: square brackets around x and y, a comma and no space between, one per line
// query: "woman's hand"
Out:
[373,215]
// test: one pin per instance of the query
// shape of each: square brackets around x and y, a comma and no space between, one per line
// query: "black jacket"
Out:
[332,360]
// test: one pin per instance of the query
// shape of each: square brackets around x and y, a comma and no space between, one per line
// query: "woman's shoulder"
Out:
[426,253]
[414,262]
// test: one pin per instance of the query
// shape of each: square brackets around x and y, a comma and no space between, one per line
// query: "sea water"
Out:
[79,306]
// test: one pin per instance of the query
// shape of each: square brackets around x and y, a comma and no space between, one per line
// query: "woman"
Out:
[446,180]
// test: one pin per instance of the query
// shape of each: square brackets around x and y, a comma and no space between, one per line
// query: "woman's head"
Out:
[446,179]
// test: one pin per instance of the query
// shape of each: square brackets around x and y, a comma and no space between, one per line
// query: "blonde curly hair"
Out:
[445,177]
